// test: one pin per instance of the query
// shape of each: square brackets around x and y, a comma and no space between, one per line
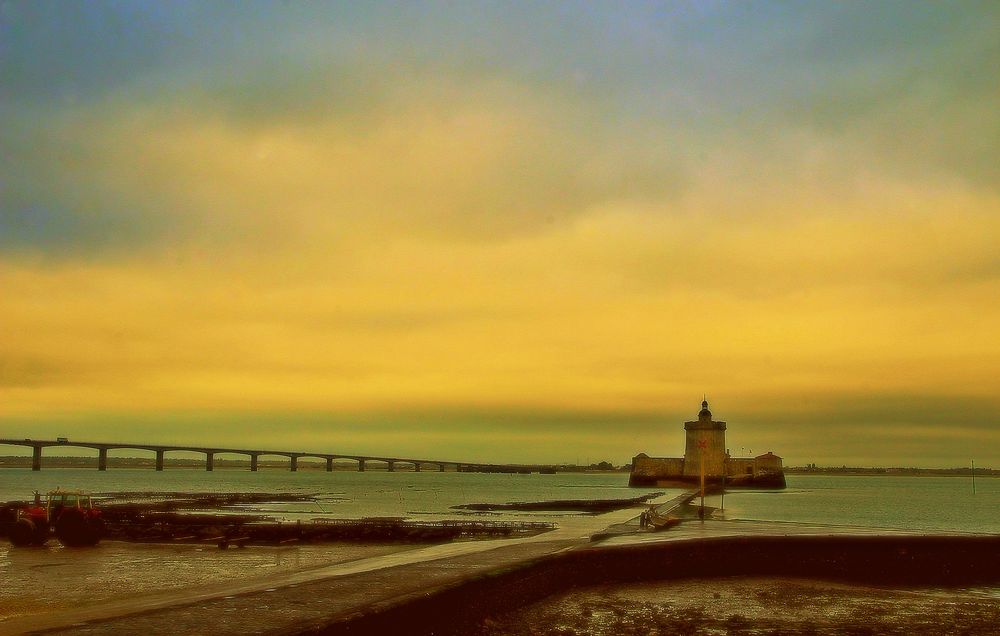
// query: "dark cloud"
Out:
[61,53]
[48,228]
[630,101]
[879,429]
[57,200]
[916,85]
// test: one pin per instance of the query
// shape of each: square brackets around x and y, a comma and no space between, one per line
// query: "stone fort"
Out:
[705,443]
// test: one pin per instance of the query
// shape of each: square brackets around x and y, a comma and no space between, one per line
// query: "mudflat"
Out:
[51,579]
[753,606]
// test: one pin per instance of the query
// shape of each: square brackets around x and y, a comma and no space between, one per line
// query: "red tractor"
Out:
[70,514]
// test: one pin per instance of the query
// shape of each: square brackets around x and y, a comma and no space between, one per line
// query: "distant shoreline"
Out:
[220,463]
[895,472]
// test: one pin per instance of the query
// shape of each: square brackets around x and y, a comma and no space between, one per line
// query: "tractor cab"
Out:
[59,501]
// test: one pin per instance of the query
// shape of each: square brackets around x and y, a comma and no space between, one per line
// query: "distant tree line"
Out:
[876,470]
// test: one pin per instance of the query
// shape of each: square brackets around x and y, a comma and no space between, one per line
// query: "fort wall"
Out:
[652,468]
[705,441]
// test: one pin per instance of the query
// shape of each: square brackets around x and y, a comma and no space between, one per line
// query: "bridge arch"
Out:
[145,456]
[38,446]
[390,463]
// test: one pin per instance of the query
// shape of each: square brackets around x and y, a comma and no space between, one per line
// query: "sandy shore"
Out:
[53,578]
[230,587]
[752,606]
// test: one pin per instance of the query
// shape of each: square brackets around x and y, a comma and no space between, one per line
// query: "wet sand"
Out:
[118,577]
[279,598]
[753,606]
[54,578]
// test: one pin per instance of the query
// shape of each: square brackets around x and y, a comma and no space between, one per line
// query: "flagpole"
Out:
[701,513]
[725,471]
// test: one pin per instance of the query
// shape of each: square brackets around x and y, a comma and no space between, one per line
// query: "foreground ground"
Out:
[481,587]
[54,578]
[179,589]
[753,606]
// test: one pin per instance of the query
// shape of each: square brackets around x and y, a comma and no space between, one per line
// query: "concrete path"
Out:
[718,528]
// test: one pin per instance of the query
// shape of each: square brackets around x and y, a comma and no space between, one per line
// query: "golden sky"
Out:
[532,233]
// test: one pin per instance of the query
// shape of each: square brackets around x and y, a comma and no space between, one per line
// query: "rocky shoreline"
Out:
[229,519]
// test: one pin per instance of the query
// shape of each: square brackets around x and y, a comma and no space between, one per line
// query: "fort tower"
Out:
[712,436]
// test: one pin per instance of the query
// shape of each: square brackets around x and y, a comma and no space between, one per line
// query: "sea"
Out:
[910,502]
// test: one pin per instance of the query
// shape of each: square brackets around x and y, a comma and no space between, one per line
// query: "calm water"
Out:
[425,495]
[931,503]
[925,503]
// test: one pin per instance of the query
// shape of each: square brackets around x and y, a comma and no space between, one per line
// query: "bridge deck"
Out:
[254,453]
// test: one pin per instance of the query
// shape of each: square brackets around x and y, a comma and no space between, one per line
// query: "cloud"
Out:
[480,162]
[540,226]
[920,95]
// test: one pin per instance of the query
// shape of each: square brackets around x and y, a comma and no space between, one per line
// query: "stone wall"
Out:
[768,462]
[652,468]
[740,466]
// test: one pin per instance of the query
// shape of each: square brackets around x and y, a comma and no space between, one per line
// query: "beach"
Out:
[54,579]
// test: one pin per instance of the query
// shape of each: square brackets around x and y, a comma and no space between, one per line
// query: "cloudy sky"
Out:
[504,231]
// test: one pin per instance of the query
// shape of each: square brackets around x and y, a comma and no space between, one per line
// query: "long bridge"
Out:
[102,449]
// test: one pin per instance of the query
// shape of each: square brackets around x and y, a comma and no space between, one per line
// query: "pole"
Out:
[722,504]
[973,476]
[701,513]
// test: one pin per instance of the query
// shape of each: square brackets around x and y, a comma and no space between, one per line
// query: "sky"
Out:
[512,232]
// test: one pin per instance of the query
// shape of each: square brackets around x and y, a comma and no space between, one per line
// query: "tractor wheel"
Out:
[74,530]
[41,532]
[97,526]
[22,532]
